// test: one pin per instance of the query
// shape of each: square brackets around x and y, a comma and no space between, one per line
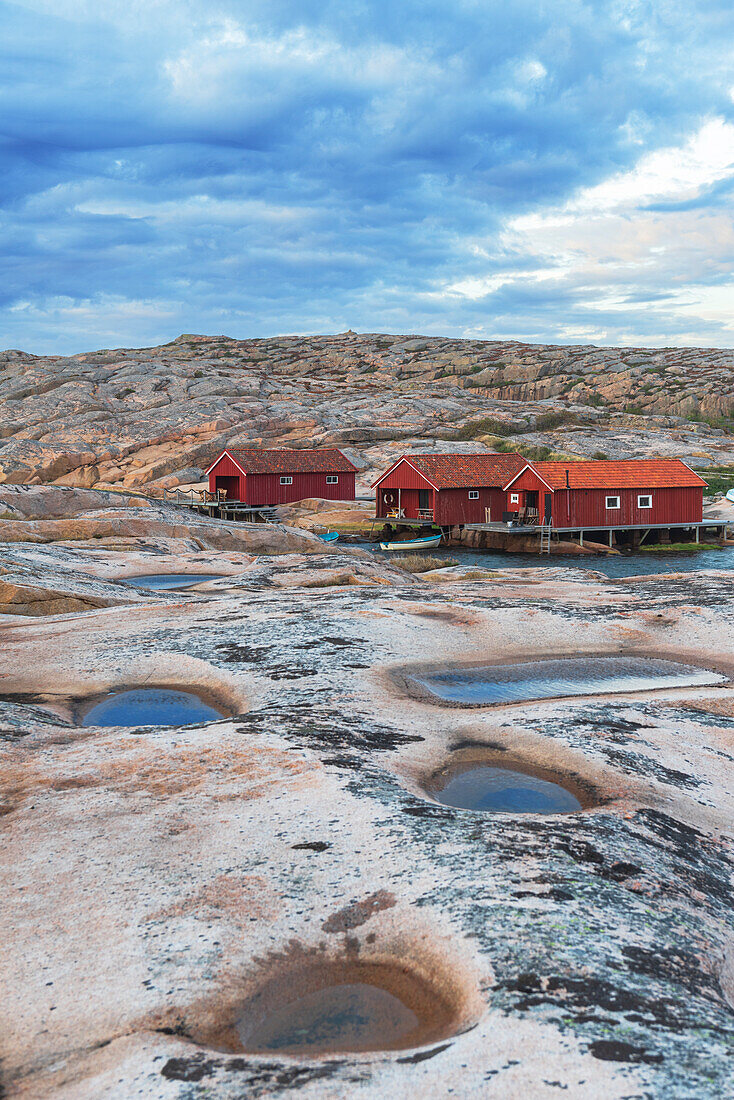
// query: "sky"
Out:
[543,170]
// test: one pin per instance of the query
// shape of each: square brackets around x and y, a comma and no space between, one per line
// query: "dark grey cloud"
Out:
[258,167]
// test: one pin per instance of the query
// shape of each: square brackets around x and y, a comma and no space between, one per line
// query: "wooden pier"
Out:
[638,532]
[217,504]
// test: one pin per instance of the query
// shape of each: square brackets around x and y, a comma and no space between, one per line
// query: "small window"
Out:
[332,479]
[286,481]
[514,498]
[644,502]
[612,502]
[473,494]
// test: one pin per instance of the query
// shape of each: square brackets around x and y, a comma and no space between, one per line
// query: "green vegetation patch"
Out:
[676,547]
[546,422]
[535,452]
[720,479]
[488,425]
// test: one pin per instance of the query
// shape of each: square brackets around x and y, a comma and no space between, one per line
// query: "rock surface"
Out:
[155,417]
[155,877]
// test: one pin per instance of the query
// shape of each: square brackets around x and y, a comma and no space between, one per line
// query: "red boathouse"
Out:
[257,478]
[446,489]
[598,495]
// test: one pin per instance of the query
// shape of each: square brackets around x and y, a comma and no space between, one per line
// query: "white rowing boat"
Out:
[412,544]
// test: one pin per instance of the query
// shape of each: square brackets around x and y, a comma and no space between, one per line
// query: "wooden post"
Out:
[698,534]
[611,538]
[581,538]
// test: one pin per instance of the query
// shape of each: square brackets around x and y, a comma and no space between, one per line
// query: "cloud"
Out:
[613,247]
[259,166]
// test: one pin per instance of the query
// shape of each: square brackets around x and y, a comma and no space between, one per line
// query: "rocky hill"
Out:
[155,417]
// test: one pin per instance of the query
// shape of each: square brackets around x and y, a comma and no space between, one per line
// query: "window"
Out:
[612,502]
[644,502]
[332,479]
[514,498]
[473,494]
[286,481]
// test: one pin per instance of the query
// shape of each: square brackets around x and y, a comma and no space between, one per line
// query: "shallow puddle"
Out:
[164,582]
[562,677]
[343,1007]
[353,1016]
[149,707]
[502,790]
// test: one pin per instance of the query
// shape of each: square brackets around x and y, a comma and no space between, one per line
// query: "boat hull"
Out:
[412,544]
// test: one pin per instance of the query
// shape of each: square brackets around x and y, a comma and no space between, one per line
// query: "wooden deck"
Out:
[530,529]
[206,503]
[639,531]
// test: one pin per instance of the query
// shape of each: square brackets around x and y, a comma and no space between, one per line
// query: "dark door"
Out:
[424,498]
[548,507]
[531,500]
[231,485]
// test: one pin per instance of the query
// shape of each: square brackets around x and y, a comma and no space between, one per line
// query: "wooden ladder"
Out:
[545,538]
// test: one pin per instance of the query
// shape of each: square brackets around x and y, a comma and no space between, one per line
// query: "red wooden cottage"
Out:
[259,478]
[659,492]
[446,489]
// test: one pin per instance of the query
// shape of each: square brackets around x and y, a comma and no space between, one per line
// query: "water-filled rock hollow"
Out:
[149,706]
[342,1006]
[488,786]
[556,678]
[165,582]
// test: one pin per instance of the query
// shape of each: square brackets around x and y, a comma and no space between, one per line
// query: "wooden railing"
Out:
[194,496]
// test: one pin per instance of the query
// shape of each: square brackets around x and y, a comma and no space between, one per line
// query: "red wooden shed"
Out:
[259,478]
[446,489]
[594,495]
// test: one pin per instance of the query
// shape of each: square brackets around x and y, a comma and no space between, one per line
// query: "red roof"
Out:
[254,460]
[485,471]
[634,473]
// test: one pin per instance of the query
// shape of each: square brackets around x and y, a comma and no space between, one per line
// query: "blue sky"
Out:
[554,170]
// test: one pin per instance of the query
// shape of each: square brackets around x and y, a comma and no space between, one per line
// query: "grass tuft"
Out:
[419,563]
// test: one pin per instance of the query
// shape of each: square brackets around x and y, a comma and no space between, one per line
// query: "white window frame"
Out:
[473,494]
[644,496]
[286,481]
[514,498]
[616,503]
[332,479]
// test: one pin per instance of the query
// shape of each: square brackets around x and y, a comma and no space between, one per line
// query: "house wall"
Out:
[529,482]
[404,477]
[409,482]
[450,506]
[387,500]
[266,488]
[455,507]
[226,468]
[586,508]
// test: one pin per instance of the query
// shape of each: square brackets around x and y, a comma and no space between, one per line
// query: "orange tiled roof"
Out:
[254,460]
[485,471]
[634,473]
